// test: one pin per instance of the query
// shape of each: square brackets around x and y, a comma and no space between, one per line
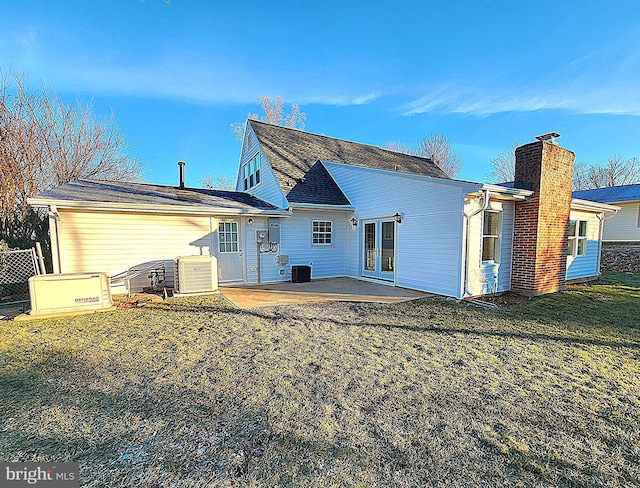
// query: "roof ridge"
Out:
[422,158]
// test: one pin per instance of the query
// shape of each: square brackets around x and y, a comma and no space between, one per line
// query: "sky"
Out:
[486,73]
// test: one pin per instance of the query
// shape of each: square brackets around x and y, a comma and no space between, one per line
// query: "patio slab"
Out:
[322,290]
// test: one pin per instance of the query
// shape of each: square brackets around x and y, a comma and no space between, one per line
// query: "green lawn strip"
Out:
[197,393]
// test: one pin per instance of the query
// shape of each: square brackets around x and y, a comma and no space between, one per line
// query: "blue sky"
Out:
[485,72]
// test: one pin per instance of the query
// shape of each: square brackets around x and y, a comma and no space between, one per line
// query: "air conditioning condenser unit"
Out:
[195,274]
[69,293]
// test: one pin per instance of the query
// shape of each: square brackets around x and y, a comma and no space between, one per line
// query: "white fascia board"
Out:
[318,206]
[146,208]
[507,193]
[589,206]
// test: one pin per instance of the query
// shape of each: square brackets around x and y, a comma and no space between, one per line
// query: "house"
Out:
[344,209]
[623,227]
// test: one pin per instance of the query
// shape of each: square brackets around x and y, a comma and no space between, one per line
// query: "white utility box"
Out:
[69,292]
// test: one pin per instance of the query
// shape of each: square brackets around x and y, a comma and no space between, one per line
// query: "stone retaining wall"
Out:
[620,257]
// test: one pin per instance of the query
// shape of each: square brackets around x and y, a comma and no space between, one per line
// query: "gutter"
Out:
[147,208]
[507,193]
[589,206]
[485,205]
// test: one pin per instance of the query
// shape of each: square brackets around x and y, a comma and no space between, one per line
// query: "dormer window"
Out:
[251,172]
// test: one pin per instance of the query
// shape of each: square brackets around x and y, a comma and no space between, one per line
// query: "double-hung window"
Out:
[322,232]
[491,223]
[251,172]
[577,238]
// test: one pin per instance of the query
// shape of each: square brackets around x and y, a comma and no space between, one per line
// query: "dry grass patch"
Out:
[195,393]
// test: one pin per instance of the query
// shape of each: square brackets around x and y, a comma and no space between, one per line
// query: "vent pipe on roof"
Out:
[182,164]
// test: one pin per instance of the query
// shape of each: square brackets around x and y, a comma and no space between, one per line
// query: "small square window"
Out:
[321,232]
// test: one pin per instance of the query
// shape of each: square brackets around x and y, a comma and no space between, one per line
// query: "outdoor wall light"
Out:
[354,222]
[397,217]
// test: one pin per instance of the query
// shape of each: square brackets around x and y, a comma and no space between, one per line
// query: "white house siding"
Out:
[326,261]
[268,189]
[112,242]
[585,266]
[490,278]
[430,237]
[625,225]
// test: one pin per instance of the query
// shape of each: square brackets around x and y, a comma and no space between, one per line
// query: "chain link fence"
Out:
[16,267]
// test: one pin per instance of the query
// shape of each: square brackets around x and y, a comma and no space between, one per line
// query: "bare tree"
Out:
[580,176]
[397,146]
[45,143]
[439,149]
[222,182]
[616,171]
[503,165]
[274,114]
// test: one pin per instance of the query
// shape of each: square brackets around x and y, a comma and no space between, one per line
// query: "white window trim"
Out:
[331,233]
[576,238]
[497,237]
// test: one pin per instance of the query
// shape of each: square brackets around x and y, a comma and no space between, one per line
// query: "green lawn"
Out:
[194,393]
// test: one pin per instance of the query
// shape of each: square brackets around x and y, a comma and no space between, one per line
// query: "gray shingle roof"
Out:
[143,193]
[624,193]
[292,153]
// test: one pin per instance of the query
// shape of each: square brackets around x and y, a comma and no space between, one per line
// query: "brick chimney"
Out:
[542,221]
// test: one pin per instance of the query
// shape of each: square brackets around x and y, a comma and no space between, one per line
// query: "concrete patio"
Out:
[322,290]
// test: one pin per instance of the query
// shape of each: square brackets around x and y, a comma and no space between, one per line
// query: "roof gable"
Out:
[291,153]
[317,186]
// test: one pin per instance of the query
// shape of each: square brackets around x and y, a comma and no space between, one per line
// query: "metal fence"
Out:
[16,267]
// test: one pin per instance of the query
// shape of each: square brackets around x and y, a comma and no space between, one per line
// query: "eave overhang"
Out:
[155,209]
[504,193]
[589,206]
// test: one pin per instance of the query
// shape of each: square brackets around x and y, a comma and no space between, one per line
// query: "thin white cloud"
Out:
[177,76]
[618,99]
[603,82]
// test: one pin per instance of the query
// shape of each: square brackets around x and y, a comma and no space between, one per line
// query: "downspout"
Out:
[55,241]
[602,217]
[485,205]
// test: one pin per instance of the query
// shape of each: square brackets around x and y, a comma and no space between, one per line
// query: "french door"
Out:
[379,246]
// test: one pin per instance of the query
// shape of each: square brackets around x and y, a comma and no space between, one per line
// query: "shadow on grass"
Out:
[543,312]
[155,438]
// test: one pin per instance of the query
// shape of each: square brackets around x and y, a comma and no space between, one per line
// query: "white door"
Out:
[229,251]
[378,249]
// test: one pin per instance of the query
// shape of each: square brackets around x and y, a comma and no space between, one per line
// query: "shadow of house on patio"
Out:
[322,290]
